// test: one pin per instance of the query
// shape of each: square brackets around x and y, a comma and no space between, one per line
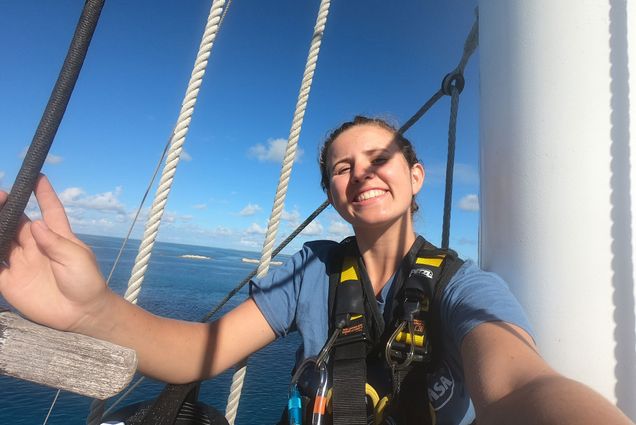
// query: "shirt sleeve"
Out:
[473,297]
[277,294]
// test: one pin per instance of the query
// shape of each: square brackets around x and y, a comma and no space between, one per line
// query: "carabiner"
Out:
[410,355]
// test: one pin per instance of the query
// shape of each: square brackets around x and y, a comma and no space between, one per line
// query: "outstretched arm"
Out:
[509,382]
[53,279]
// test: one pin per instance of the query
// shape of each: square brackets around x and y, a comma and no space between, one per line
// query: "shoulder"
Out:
[474,296]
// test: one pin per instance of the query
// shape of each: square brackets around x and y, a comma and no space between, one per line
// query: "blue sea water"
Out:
[176,287]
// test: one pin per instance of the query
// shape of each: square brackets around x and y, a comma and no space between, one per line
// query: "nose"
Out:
[362,172]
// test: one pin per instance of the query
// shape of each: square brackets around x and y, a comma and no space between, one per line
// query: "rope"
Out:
[281,191]
[450,162]
[173,150]
[48,415]
[124,395]
[46,131]
[174,153]
[452,85]
[49,123]
[278,249]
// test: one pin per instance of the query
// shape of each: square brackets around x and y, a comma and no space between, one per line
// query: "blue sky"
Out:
[377,58]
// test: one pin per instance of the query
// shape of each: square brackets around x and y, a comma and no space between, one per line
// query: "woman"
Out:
[371,176]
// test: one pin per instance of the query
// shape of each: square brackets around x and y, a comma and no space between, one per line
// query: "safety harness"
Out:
[386,364]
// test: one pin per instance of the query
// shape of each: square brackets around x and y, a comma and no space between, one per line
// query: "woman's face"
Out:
[371,184]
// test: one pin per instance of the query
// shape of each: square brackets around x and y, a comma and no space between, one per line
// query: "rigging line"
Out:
[471,43]
[134,220]
[281,190]
[124,395]
[49,123]
[211,31]
[172,159]
[152,180]
[278,249]
[420,112]
[42,141]
[450,162]
[57,394]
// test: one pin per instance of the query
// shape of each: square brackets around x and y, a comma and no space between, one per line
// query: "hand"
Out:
[52,277]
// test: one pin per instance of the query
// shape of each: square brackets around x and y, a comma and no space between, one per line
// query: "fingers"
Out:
[58,248]
[23,233]
[3,198]
[52,209]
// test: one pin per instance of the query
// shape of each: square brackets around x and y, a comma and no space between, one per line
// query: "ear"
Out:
[417,177]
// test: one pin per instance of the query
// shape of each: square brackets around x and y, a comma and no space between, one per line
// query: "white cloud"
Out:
[469,203]
[221,231]
[249,243]
[339,229]
[2,174]
[199,206]
[292,217]
[53,159]
[172,217]
[106,201]
[255,229]
[313,229]
[186,156]
[250,209]
[273,152]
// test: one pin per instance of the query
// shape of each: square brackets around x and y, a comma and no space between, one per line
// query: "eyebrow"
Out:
[369,152]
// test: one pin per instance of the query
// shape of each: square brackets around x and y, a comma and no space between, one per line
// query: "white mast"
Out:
[558,185]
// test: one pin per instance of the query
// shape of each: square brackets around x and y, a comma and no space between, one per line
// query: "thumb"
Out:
[54,246]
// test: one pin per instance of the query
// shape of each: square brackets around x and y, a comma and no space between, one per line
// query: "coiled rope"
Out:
[281,191]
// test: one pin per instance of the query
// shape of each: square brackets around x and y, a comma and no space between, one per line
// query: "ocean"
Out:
[184,288]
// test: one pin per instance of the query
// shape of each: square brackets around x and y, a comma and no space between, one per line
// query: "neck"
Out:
[383,250]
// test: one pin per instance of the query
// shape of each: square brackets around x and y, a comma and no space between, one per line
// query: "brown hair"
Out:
[403,143]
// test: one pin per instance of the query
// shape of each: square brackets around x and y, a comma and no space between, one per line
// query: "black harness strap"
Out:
[357,332]
[418,287]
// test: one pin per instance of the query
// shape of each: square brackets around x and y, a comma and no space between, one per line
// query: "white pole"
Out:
[557,200]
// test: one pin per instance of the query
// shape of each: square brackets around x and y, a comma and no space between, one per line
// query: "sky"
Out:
[377,58]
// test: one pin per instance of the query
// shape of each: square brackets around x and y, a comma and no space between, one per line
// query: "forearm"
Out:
[168,350]
[552,400]
[176,351]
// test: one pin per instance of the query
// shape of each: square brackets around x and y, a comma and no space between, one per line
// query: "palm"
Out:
[54,281]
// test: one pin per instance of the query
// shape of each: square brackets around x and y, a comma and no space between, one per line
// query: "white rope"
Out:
[176,146]
[172,160]
[281,191]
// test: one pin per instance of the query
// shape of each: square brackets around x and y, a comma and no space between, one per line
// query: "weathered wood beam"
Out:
[65,360]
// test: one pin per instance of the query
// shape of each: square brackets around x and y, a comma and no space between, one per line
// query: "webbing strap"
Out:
[349,402]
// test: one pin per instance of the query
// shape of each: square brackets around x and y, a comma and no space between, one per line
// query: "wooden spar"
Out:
[64,360]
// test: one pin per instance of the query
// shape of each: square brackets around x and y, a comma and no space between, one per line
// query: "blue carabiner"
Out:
[295,406]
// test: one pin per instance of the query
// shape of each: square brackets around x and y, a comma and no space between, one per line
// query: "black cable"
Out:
[450,162]
[49,123]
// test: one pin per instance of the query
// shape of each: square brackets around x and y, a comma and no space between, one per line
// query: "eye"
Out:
[341,169]
[379,160]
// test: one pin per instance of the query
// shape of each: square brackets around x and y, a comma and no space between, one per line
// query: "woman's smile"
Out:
[371,183]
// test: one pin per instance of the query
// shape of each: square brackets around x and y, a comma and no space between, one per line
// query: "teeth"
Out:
[369,194]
